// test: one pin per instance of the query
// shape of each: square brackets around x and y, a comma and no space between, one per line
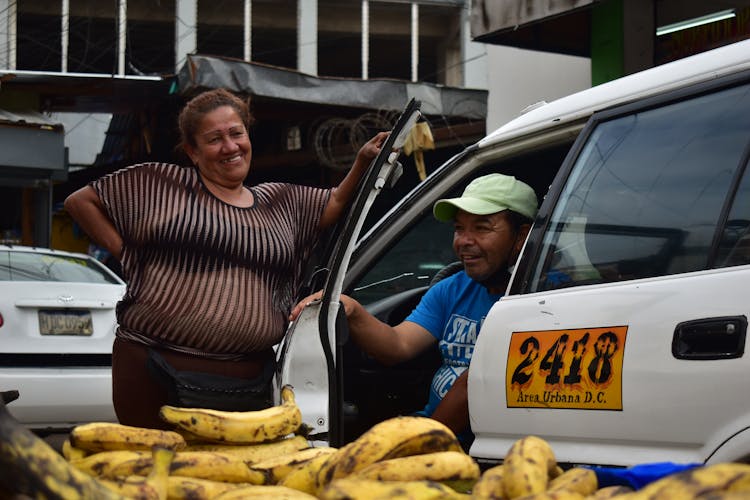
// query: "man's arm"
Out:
[388,344]
[453,410]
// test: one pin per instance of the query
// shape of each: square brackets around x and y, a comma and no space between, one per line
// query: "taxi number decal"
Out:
[566,369]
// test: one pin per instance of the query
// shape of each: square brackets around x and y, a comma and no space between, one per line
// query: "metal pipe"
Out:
[64,31]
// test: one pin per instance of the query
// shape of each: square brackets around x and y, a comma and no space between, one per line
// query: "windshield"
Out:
[40,266]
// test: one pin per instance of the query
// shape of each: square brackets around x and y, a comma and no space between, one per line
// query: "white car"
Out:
[57,325]
[621,337]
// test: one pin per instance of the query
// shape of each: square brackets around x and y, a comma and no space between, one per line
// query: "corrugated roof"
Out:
[29,118]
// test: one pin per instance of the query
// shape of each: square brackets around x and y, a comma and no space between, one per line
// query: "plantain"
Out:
[724,495]
[215,466]
[528,466]
[704,480]
[264,492]
[152,487]
[238,427]
[554,495]
[275,469]
[452,467]
[70,452]
[191,488]
[30,467]
[302,477]
[103,463]
[253,453]
[392,438]
[610,492]
[578,479]
[107,436]
[212,465]
[370,489]
[489,486]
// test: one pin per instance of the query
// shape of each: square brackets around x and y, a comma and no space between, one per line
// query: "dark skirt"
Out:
[138,394]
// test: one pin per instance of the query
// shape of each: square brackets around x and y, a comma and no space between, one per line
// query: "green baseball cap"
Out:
[487,195]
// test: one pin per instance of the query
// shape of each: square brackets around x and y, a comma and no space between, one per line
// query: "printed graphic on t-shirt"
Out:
[444,378]
[458,341]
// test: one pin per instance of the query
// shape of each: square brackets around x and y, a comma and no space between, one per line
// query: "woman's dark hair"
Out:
[197,107]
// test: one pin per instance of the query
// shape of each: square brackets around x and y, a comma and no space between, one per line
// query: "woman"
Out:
[212,265]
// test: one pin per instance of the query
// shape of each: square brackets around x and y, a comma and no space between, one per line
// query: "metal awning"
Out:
[31,141]
[202,72]
[561,26]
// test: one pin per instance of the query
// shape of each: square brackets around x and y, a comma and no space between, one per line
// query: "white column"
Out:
[414,41]
[307,36]
[64,30]
[186,32]
[122,29]
[365,39]
[248,24]
[8,34]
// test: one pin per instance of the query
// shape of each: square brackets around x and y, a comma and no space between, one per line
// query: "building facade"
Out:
[122,61]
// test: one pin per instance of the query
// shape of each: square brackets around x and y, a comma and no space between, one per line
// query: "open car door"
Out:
[307,356]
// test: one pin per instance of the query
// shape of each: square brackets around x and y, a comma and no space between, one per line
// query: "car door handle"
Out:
[710,338]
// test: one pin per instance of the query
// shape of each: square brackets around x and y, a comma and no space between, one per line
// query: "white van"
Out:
[621,337]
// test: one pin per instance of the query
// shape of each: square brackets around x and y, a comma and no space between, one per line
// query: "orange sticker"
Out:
[579,368]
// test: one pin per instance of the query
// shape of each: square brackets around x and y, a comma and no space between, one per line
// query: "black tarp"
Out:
[202,72]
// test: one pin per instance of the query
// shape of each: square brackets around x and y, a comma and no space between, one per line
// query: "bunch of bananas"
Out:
[260,454]
[530,472]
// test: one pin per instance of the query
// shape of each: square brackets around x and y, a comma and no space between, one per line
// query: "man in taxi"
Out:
[491,221]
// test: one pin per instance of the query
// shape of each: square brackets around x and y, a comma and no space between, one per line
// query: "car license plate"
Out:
[65,322]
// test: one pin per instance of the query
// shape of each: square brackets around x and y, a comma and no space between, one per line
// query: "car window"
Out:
[646,193]
[39,266]
[426,245]
[410,263]
[734,247]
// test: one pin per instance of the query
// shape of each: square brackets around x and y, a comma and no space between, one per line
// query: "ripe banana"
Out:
[691,483]
[29,467]
[440,466]
[578,479]
[102,464]
[392,438]
[237,426]
[70,452]
[152,487]
[275,469]
[215,466]
[253,453]
[489,486]
[191,488]
[369,489]
[528,465]
[267,492]
[555,495]
[609,492]
[303,476]
[212,465]
[106,436]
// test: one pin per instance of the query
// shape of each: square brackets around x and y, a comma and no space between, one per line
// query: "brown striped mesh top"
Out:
[205,277]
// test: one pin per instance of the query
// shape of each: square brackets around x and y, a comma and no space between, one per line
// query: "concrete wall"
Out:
[518,78]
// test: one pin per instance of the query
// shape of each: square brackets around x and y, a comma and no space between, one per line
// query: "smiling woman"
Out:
[212,265]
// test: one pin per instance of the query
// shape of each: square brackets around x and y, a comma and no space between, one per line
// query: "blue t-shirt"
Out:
[452,311]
